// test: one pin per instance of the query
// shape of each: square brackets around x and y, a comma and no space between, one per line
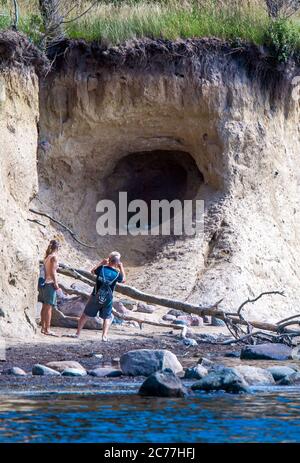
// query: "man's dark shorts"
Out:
[93,308]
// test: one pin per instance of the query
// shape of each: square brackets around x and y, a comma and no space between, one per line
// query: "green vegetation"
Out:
[115,21]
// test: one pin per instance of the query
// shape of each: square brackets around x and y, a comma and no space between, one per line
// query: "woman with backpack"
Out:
[109,272]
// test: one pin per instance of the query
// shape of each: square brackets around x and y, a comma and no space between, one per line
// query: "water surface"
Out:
[118,415]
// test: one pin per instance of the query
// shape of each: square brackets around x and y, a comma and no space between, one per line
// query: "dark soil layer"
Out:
[184,58]
[17,51]
[27,355]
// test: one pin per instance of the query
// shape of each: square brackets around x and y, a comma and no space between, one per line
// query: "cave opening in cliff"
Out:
[154,175]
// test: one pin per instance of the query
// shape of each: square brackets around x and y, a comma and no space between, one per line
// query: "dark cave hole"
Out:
[154,175]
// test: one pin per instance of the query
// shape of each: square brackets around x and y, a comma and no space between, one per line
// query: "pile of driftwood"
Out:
[242,330]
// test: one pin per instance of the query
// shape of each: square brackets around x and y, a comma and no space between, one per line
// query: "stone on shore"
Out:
[255,375]
[290,380]
[106,372]
[144,362]
[64,364]
[169,318]
[205,362]
[14,371]
[42,370]
[176,313]
[225,379]
[267,351]
[146,308]
[217,322]
[197,372]
[74,372]
[163,384]
[279,372]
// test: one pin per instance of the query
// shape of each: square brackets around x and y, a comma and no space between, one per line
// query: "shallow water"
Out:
[118,415]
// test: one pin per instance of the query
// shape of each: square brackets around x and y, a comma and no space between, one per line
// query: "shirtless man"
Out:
[47,292]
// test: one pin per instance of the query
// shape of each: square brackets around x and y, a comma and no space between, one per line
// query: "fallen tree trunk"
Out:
[233,320]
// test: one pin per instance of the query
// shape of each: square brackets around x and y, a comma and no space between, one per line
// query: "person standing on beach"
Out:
[48,286]
[109,271]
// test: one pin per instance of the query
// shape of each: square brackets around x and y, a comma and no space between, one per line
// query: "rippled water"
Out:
[109,416]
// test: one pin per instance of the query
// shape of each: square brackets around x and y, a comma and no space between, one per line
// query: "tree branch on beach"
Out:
[234,321]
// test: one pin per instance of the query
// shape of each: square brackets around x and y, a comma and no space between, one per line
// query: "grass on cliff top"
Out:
[115,21]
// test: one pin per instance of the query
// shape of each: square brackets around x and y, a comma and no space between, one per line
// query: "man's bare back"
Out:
[51,265]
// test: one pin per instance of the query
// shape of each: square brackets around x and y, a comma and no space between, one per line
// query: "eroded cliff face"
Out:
[231,139]
[18,185]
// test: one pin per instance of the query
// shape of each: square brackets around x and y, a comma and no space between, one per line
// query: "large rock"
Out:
[72,306]
[280,372]
[66,321]
[64,364]
[268,351]
[105,372]
[226,379]
[144,362]
[290,380]
[163,384]
[197,372]
[14,371]
[255,375]
[74,372]
[42,370]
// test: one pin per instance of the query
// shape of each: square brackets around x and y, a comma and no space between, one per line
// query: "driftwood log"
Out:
[234,321]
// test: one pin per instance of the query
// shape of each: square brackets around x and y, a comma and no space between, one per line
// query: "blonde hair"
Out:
[52,247]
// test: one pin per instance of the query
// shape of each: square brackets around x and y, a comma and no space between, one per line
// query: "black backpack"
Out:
[104,294]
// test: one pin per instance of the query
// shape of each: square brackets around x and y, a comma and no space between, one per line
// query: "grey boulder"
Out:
[197,372]
[62,365]
[255,375]
[279,372]
[42,370]
[267,351]
[14,371]
[74,372]
[163,384]
[105,372]
[144,362]
[226,379]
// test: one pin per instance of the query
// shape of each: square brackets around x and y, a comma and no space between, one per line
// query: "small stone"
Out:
[42,370]
[61,366]
[105,372]
[145,308]
[217,322]
[15,371]
[205,362]
[74,372]
[163,384]
[190,342]
[176,313]
[115,361]
[197,372]
[180,322]
[169,318]
[128,304]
